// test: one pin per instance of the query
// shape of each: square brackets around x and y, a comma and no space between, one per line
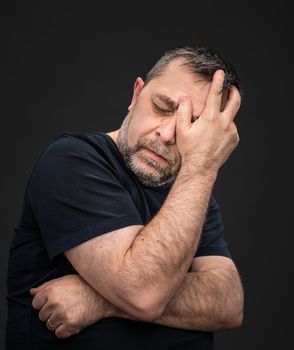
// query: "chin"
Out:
[147,174]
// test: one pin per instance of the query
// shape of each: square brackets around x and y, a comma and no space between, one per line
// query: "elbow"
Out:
[238,314]
[148,310]
[147,307]
[233,319]
[234,316]
[238,319]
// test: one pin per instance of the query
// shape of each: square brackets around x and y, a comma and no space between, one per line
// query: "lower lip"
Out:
[155,156]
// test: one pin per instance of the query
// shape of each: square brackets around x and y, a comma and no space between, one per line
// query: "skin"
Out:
[152,115]
[152,261]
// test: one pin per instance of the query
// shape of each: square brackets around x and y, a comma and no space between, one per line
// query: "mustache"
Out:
[159,148]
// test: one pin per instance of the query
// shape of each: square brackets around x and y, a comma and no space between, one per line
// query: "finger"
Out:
[214,97]
[39,300]
[54,319]
[45,284]
[45,312]
[184,112]
[50,325]
[63,331]
[233,104]
[33,291]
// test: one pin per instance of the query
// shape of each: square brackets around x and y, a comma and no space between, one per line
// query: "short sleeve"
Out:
[75,195]
[212,239]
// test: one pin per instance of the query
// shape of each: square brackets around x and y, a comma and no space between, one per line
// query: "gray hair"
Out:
[201,60]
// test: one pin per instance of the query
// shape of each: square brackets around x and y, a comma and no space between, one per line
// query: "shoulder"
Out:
[72,141]
[74,157]
[78,148]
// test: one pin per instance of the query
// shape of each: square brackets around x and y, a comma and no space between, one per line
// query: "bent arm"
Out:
[210,298]
[138,269]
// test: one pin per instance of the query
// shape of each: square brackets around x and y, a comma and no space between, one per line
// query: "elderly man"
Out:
[120,240]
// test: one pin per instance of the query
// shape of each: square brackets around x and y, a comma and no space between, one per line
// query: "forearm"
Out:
[138,269]
[162,252]
[206,301]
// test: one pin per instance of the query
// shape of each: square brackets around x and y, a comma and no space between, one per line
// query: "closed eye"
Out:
[160,110]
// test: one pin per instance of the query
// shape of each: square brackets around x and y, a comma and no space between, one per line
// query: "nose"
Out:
[167,131]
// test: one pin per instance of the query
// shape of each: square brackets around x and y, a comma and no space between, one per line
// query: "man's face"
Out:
[147,138]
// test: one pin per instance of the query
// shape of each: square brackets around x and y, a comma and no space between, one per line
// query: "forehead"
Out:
[176,81]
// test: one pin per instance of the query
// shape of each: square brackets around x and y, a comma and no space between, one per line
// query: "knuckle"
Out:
[54,303]
[71,321]
[68,320]
[232,133]
[225,126]
[232,128]
[50,289]
[209,117]
[212,117]
[237,101]
[235,136]
[237,139]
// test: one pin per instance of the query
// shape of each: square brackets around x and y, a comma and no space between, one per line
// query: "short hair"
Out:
[201,60]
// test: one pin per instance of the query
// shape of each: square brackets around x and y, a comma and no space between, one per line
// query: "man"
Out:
[120,238]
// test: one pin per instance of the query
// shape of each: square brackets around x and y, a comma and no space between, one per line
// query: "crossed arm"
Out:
[210,298]
[141,271]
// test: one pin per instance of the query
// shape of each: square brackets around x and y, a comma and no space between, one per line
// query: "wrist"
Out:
[191,170]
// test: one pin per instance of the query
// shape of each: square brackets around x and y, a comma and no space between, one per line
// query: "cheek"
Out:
[141,126]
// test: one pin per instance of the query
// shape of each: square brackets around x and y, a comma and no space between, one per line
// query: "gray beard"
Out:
[149,179]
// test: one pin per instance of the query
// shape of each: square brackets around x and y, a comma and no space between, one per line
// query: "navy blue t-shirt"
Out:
[80,188]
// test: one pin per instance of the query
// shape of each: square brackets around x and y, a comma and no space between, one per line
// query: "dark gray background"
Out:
[72,68]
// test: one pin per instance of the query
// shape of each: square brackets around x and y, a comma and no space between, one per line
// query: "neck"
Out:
[113,135]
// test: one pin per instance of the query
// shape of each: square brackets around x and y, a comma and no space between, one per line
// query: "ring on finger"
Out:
[50,324]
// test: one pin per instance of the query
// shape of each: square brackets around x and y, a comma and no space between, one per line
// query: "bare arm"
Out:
[140,268]
[210,298]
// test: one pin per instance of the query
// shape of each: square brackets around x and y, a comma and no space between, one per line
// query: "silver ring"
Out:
[50,324]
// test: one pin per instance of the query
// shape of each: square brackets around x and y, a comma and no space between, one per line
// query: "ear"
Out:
[139,83]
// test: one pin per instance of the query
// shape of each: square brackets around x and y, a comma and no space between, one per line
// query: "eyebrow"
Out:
[170,102]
